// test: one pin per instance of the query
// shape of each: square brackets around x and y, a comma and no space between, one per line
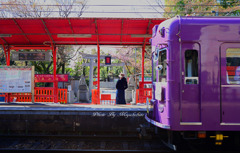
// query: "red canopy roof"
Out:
[68,31]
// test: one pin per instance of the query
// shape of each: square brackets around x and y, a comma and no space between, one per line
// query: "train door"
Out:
[230,84]
[190,103]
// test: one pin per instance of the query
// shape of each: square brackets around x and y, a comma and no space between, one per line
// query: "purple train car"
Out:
[196,76]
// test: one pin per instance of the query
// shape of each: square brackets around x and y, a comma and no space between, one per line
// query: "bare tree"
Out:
[67,53]
[3,12]
[131,57]
[25,9]
[66,7]
[161,7]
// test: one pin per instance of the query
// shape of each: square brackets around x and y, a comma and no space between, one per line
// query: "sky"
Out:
[117,8]
[129,8]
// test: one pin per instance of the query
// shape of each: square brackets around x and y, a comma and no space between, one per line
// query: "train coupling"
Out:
[145,131]
[219,138]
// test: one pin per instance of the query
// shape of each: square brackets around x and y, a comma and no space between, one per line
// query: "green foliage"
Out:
[232,6]
[42,67]
[202,8]
[227,3]
[103,73]
[3,59]
[180,7]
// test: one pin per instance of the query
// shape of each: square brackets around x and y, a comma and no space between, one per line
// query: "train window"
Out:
[233,65]
[154,63]
[191,67]
[162,61]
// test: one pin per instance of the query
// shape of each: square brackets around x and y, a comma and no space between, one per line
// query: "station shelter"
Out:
[49,33]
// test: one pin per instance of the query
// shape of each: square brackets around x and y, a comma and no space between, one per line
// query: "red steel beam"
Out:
[21,30]
[8,64]
[94,34]
[30,47]
[8,57]
[121,31]
[70,24]
[93,42]
[149,22]
[4,40]
[143,54]
[46,29]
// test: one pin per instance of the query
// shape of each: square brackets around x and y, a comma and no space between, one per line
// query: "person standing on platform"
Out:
[121,87]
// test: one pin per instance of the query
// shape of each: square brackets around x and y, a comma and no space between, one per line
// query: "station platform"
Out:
[69,119]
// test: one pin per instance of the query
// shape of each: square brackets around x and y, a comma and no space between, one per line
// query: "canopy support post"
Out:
[98,74]
[143,54]
[8,57]
[55,82]
[7,54]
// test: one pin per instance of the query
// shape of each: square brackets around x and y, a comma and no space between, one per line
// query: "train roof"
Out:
[191,28]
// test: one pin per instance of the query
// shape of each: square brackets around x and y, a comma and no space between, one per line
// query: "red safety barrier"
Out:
[21,97]
[106,100]
[143,92]
[105,96]
[95,96]
[41,94]
[62,96]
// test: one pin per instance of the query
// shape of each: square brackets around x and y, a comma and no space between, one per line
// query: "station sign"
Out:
[31,56]
[50,77]
[16,79]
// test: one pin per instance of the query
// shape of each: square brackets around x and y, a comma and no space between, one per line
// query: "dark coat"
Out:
[120,95]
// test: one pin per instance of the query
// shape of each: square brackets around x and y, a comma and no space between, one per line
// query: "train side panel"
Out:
[201,87]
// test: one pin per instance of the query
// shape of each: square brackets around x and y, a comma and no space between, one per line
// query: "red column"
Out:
[8,57]
[143,54]
[5,52]
[55,82]
[98,74]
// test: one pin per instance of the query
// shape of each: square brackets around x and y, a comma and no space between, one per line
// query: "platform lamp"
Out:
[141,35]
[74,35]
[5,35]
